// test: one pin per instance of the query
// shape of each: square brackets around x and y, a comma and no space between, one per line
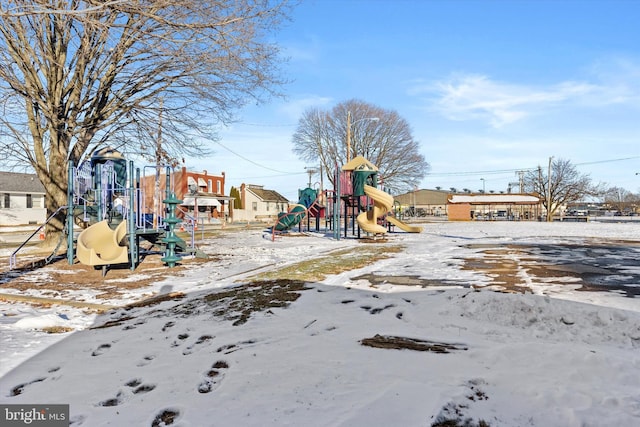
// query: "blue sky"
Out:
[488,87]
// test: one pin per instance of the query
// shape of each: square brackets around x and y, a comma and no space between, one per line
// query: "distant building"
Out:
[422,203]
[259,204]
[21,199]
[466,207]
[202,194]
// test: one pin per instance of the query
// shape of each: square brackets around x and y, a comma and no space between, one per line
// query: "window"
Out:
[29,201]
[7,200]
[219,185]
[210,186]
[255,206]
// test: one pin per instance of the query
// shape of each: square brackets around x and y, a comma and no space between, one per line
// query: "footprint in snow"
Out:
[213,377]
[19,389]
[203,339]
[101,349]
[146,360]
[165,418]
[136,386]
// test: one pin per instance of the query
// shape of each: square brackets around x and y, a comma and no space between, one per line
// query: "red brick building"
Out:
[202,194]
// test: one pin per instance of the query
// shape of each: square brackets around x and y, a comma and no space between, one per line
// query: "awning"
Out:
[200,201]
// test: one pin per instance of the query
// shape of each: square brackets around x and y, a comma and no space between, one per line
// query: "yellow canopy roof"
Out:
[359,163]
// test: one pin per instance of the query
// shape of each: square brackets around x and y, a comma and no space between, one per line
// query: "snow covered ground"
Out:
[556,355]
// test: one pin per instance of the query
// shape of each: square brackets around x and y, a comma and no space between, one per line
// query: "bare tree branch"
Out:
[387,142]
[79,74]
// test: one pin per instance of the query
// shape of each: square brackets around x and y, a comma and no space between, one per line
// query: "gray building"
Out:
[21,199]
[422,203]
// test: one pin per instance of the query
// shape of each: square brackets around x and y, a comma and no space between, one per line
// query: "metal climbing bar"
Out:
[12,257]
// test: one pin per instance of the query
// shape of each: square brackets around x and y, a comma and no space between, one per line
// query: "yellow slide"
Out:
[403,226]
[382,203]
[100,245]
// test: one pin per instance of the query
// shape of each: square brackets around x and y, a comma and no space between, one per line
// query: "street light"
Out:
[349,124]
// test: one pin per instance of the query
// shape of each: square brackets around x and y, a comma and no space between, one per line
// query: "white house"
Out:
[21,199]
[259,204]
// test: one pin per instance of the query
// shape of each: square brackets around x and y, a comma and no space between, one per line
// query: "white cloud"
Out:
[620,81]
[609,82]
[477,97]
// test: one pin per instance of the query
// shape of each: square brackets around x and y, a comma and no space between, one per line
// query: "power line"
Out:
[489,172]
[266,125]
[607,161]
[255,163]
[522,170]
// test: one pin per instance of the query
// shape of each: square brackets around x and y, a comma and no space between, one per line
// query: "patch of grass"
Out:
[237,304]
[399,343]
[460,423]
[280,287]
[452,415]
[56,329]
[317,269]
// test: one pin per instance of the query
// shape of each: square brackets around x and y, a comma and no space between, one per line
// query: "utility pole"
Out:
[156,185]
[348,136]
[549,191]
[521,180]
[310,171]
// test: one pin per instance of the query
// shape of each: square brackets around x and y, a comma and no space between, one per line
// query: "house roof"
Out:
[15,182]
[266,195]
[485,199]
[204,199]
[423,197]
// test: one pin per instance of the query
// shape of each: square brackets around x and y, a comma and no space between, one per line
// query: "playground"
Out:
[355,206]
[107,200]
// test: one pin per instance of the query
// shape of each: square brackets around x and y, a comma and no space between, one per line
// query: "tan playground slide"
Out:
[403,226]
[382,203]
[101,245]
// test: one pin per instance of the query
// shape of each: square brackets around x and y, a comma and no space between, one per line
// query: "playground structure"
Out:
[105,199]
[310,205]
[101,245]
[356,199]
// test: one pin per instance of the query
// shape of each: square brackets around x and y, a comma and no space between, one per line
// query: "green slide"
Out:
[297,212]
[286,220]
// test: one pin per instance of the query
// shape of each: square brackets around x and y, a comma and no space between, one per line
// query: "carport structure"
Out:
[515,207]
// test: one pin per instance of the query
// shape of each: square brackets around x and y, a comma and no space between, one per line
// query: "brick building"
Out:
[202,194]
[466,207]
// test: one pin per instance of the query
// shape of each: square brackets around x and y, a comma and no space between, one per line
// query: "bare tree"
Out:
[144,77]
[561,185]
[381,136]
[620,199]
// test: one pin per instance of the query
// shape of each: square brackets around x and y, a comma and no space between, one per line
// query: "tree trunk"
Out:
[55,181]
